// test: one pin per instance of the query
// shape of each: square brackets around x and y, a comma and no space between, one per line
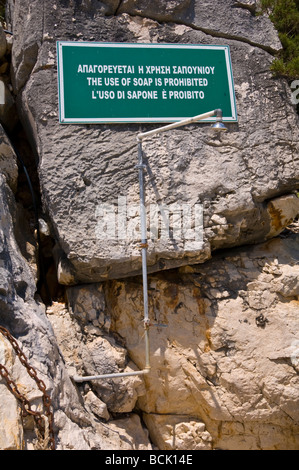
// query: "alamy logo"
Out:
[176,222]
[295,93]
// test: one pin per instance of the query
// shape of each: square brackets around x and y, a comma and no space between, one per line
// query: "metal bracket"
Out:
[141,166]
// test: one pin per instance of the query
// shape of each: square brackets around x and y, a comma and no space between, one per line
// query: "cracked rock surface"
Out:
[223,349]
[83,167]
[225,18]
[227,352]
[224,343]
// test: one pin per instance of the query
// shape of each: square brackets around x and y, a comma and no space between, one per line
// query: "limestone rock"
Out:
[102,436]
[226,350]
[8,113]
[287,284]
[3,45]
[8,160]
[224,18]
[172,432]
[212,364]
[11,435]
[83,167]
[97,406]
[75,427]
[88,305]
[136,436]
[223,342]
[94,352]
[282,212]
[103,356]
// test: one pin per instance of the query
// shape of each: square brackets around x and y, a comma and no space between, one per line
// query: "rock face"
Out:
[225,18]
[82,167]
[224,343]
[26,320]
[8,161]
[227,353]
[223,346]
[8,115]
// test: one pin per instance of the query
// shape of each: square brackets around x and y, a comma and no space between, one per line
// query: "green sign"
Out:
[114,83]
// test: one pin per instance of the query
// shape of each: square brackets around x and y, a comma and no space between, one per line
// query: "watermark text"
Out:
[175,222]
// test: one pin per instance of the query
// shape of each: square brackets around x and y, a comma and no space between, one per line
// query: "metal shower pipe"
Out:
[144,245]
[183,122]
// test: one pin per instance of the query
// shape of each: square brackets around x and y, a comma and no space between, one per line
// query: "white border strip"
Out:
[61,82]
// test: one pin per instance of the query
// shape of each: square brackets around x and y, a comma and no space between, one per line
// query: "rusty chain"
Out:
[44,423]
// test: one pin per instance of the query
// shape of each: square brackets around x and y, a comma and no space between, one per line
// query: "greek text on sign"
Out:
[114,83]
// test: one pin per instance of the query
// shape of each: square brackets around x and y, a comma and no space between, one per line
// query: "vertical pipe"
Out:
[147,348]
[141,168]
[143,229]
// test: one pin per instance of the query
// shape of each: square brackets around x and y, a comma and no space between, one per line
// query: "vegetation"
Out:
[285,16]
